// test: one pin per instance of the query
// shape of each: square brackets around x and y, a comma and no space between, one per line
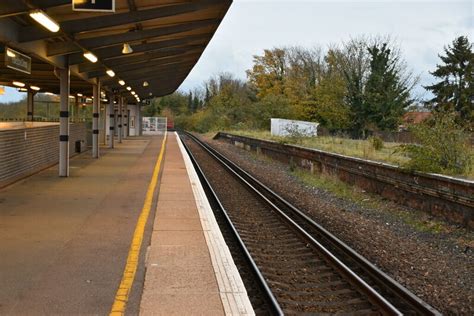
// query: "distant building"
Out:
[282,127]
[411,118]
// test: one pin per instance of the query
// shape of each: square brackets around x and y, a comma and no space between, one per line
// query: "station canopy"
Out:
[151,45]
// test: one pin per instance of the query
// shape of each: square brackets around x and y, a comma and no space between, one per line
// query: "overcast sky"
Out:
[420,27]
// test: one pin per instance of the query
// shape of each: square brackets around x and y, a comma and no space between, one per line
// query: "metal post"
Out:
[124,120]
[76,110]
[103,123]
[30,105]
[64,122]
[111,122]
[120,119]
[95,120]
[140,121]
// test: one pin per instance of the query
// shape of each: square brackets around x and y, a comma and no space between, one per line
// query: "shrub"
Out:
[443,146]
[377,142]
[294,134]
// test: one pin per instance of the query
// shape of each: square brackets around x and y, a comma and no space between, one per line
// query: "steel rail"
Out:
[354,279]
[270,298]
[378,276]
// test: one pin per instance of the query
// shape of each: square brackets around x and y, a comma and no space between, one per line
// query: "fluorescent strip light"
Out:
[79,94]
[111,73]
[22,89]
[43,19]
[129,88]
[18,84]
[92,58]
[35,88]
[121,82]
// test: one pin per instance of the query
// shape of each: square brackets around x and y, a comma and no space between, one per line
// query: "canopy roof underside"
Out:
[167,38]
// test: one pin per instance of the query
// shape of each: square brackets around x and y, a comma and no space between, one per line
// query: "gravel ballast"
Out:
[435,264]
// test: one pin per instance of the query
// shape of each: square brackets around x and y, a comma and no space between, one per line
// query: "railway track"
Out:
[301,267]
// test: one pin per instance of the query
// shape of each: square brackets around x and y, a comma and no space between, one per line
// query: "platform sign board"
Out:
[17,61]
[94,5]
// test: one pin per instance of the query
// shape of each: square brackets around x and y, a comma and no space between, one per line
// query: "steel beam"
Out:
[64,48]
[113,52]
[71,27]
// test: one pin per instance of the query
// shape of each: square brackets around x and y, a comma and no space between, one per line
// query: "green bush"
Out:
[376,142]
[443,147]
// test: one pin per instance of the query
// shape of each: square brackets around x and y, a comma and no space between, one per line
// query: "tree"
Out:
[455,90]
[328,106]
[443,146]
[354,64]
[267,75]
[387,93]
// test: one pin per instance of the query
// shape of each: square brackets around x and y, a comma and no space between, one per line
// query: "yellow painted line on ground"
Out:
[125,287]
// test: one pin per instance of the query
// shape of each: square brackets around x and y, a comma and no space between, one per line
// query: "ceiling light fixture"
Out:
[35,88]
[111,73]
[22,89]
[18,84]
[121,82]
[145,83]
[43,19]
[129,88]
[79,94]
[92,58]
[127,49]
[10,53]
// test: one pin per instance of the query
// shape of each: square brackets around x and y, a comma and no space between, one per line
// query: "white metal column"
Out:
[138,123]
[95,120]
[124,119]
[64,122]
[30,105]
[111,122]
[120,104]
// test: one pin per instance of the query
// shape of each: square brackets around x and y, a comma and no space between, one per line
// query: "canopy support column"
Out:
[125,119]
[95,120]
[111,122]
[30,105]
[120,119]
[64,78]
[139,120]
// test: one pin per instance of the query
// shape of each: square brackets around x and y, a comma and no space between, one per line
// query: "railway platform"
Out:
[66,242]
[189,269]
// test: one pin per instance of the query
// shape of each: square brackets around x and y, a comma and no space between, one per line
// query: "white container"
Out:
[282,127]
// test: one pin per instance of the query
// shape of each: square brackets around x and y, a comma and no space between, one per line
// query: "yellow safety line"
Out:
[125,287]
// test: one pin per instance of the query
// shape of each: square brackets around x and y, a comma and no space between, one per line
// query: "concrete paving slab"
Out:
[65,240]
[174,304]
[178,224]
